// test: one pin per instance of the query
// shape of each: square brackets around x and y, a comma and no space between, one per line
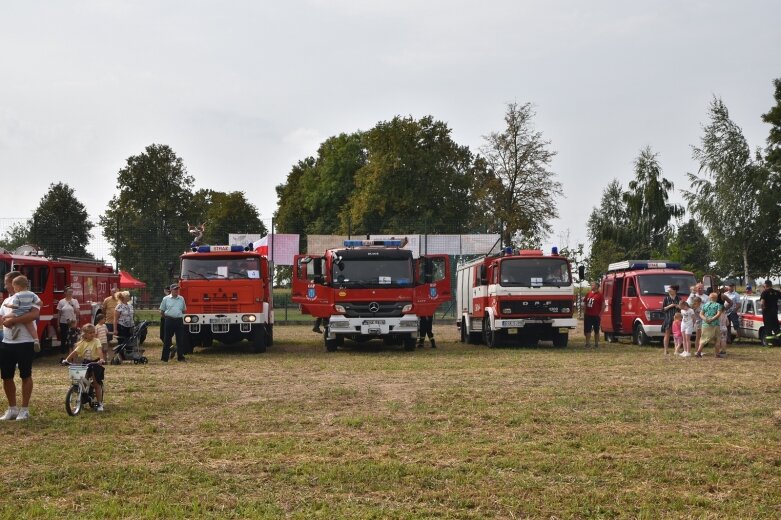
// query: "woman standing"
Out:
[670,307]
[123,317]
[67,310]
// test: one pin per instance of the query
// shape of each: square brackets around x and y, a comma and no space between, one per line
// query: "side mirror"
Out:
[581,272]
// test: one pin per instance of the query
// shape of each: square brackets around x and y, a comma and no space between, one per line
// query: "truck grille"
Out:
[535,306]
[216,308]
[361,309]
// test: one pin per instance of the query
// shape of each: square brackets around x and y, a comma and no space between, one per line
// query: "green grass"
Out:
[374,432]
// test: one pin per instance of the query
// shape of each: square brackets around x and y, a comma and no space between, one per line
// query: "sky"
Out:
[242,90]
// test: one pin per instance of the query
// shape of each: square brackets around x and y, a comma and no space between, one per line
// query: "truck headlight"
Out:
[407,308]
[248,318]
[191,319]
[339,309]
[507,310]
[565,310]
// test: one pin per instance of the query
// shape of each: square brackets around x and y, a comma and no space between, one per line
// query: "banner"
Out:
[282,247]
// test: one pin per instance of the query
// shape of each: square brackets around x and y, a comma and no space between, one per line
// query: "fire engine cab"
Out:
[371,289]
[525,294]
[633,292]
[91,280]
[227,290]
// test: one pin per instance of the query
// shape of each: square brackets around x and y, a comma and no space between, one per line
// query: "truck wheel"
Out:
[560,339]
[474,338]
[463,330]
[270,335]
[259,339]
[489,335]
[409,343]
[330,344]
[639,336]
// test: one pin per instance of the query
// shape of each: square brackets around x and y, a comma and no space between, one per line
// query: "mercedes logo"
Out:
[374,307]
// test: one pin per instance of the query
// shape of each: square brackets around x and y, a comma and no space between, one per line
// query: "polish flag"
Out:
[261,246]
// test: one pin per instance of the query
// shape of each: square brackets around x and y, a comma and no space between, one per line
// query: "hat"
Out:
[731,284]
[174,286]
[748,287]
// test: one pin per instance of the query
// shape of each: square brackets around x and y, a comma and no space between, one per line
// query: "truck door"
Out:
[630,306]
[617,303]
[606,315]
[310,283]
[434,278]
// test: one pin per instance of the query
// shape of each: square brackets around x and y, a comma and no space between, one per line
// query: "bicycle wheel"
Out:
[73,401]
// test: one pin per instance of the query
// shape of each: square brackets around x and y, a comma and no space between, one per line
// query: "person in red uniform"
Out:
[592,305]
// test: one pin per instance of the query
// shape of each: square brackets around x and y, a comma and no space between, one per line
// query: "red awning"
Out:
[127,281]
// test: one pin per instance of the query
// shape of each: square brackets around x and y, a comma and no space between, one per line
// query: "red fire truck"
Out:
[371,289]
[228,294]
[91,280]
[633,292]
[525,294]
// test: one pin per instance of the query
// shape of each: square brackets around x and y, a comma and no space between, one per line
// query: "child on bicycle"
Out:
[91,354]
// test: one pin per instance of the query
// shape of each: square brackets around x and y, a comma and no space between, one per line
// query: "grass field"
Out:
[374,432]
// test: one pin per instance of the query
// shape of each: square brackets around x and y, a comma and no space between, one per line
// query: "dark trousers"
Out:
[771,322]
[173,327]
[425,328]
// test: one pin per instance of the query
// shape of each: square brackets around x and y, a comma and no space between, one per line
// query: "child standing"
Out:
[677,332]
[102,334]
[23,301]
[687,327]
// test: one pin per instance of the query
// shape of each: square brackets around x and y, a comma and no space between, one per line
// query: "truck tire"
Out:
[259,339]
[474,338]
[490,336]
[639,336]
[560,339]
[463,330]
[270,335]
[330,344]
[409,343]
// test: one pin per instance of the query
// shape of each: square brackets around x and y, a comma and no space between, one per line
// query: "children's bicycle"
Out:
[81,392]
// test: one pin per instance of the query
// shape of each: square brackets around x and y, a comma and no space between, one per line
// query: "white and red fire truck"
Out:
[227,290]
[91,280]
[520,297]
[751,323]
[371,289]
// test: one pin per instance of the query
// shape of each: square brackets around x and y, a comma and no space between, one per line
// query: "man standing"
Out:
[769,298]
[108,306]
[13,352]
[592,305]
[733,322]
[172,309]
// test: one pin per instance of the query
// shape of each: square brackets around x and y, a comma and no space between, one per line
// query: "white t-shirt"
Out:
[68,310]
[688,320]
[23,336]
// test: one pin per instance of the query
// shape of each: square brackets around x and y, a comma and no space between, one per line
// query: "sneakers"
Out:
[99,408]
[10,414]
[698,354]
[433,345]
[686,354]
[721,355]
[24,414]
[318,330]
[588,345]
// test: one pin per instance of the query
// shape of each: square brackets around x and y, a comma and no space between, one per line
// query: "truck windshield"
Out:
[535,272]
[220,268]
[657,284]
[373,272]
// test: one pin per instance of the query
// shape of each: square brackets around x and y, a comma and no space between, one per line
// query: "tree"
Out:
[226,213]
[607,231]
[416,180]
[291,215]
[690,246]
[16,235]
[146,223]
[727,196]
[60,225]
[772,160]
[522,188]
[648,209]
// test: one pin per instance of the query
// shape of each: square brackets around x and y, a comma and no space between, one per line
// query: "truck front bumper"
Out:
[519,323]
[342,325]
[222,323]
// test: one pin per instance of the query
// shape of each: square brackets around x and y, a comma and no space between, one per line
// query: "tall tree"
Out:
[607,231]
[690,246]
[148,218]
[769,198]
[291,215]
[60,225]
[416,180]
[16,235]
[725,195]
[649,211]
[226,213]
[523,188]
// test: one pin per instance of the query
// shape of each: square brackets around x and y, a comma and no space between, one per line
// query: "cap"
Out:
[174,286]
[748,287]
[731,284]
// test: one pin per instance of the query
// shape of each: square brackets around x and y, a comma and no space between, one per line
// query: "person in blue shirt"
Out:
[172,310]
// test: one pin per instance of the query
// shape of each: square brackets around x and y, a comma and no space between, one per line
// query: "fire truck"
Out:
[634,291]
[516,297]
[371,289]
[227,290]
[91,280]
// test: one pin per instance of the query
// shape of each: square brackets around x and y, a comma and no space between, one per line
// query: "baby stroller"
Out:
[129,349]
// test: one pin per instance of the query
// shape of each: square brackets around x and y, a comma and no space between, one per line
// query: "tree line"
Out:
[731,224]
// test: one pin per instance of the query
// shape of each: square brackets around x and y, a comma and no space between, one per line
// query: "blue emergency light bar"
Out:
[219,249]
[372,243]
[643,264]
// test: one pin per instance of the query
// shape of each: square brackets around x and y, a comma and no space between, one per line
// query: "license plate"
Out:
[219,320]
[516,323]
[563,330]
[374,322]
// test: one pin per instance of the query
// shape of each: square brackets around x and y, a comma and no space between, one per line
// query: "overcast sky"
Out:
[242,90]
